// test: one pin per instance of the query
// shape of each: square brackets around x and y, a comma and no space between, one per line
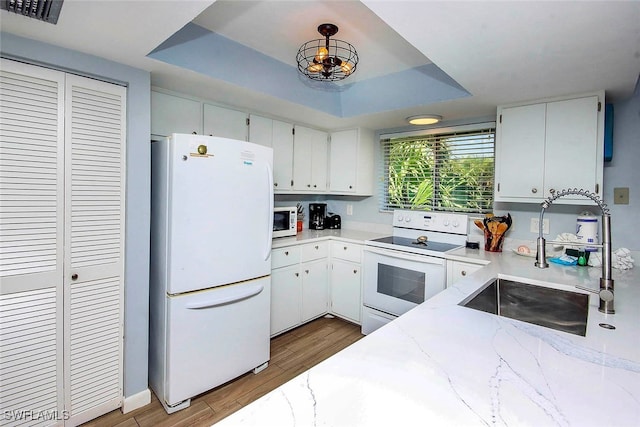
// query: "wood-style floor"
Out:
[291,354]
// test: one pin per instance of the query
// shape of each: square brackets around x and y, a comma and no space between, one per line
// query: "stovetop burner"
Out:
[416,243]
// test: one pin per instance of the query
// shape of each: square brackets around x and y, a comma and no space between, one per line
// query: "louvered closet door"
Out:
[94,245]
[31,231]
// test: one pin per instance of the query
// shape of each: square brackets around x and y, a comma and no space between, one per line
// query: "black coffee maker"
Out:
[317,213]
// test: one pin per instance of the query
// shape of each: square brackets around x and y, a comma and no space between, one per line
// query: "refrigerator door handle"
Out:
[267,253]
[227,299]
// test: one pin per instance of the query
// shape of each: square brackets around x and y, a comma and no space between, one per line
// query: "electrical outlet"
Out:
[621,196]
[535,225]
[349,209]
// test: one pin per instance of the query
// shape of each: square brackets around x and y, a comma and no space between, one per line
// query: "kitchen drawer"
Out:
[346,251]
[311,251]
[456,270]
[282,257]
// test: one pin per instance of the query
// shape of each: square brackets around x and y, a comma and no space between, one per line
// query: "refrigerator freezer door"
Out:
[220,212]
[215,336]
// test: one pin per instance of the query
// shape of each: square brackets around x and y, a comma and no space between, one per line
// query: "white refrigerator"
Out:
[210,284]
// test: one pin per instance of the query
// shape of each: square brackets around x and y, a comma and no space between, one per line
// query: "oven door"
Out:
[396,281]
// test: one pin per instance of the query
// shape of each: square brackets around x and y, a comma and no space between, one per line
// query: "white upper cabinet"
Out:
[310,154]
[304,161]
[279,136]
[351,162]
[225,123]
[550,146]
[174,114]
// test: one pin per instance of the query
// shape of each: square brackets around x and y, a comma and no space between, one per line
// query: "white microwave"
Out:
[284,221]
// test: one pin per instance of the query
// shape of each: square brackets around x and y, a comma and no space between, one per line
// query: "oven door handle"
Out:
[430,259]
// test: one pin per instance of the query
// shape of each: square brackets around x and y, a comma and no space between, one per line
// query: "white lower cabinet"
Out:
[299,286]
[346,281]
[315,294]
[285,298]
[346,290]
[456,270]
[311,279]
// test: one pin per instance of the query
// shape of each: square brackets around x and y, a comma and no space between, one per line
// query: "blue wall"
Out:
[136,284]
[622,171]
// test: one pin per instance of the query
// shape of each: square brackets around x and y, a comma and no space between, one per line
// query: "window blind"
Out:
[447,170]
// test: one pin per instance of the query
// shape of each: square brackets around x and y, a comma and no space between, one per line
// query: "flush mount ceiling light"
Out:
[424,119]
[327,59]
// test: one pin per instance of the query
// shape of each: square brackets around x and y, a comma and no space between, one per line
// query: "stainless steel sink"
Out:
[552,308]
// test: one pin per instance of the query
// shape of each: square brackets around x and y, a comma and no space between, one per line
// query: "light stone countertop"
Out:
[444,364]
[308,236]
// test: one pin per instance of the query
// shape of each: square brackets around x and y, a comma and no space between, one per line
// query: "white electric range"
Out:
[408,267]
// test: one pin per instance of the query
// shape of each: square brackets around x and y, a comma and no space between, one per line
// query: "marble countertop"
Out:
[306,236]
[444,364]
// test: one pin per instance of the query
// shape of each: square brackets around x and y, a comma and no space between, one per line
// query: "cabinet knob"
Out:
[350,187]
[316,246]
[355,271]
[464,273]
[297,274]
[74,276]
[275,184]
[345,248]
[314,186]
[306,271]
[534,190]
[286,253]
[308,185]
[194,133]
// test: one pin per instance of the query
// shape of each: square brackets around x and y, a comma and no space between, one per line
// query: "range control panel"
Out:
[443,222]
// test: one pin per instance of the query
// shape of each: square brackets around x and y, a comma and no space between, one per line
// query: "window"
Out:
[439,169]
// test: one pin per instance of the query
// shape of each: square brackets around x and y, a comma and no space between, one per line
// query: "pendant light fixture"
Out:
[327,59]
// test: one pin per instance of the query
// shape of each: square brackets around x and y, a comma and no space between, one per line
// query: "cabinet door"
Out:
[457,270]
[285,298]
[346,290]
[572,149]
[31,238]
[310,160]
[315,291]
[343,165]
[173,114]
[319,158]
[260,130]
[520,152]
[282,143]
[224,122]
[94,245]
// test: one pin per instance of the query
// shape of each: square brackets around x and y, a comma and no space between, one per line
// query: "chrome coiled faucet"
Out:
[606,282]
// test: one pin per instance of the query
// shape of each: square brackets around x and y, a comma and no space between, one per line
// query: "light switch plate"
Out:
[534,227]
[621,196]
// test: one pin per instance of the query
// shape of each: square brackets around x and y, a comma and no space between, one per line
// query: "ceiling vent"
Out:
[44,10]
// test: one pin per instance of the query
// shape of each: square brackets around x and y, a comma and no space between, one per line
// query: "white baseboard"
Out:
[136,401]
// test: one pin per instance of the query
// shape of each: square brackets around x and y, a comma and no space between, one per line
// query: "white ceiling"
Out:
[500,52]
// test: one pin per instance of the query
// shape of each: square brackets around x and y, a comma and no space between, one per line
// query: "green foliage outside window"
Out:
[445,172]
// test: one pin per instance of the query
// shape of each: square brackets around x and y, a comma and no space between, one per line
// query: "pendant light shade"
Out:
[327,59]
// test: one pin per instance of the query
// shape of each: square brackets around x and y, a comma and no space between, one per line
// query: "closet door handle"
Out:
[74,276]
